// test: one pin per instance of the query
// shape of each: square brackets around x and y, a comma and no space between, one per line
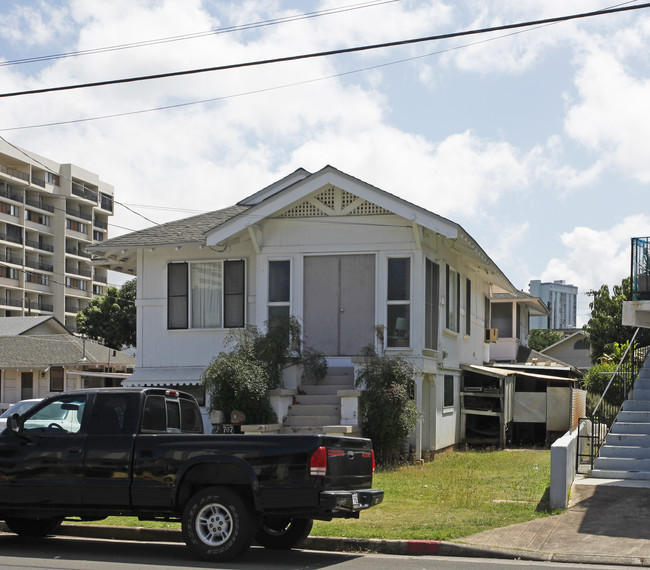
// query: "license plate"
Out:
[355,499]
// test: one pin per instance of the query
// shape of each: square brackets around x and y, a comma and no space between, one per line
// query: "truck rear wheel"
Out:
[33,527]
[279,533]
[217,524]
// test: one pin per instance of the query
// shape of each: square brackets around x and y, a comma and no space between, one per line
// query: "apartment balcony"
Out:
[14,172]
[39,245]
[11,238]
[636,313]
[38,307]
[39,204]
[86,193]
[82,271]
[78,251]
[9,192]
[37,264]
[78,213]
[10,257]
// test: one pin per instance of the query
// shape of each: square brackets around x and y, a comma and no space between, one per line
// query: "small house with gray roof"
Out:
[39,356]
[355,264]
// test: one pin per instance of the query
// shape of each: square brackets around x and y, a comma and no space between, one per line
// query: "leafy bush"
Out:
[240,379]
[387,411]
[237,380]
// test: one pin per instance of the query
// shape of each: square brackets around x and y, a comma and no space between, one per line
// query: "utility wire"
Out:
[217,31]
[282,86]
[323,53]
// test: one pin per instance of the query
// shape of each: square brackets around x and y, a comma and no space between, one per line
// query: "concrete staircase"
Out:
[626,452]
[317,404]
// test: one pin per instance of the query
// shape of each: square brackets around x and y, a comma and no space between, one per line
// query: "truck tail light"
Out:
[318,463]
[373,461]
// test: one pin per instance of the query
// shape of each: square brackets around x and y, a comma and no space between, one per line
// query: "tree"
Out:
[539,339]
[110,319]
[605,326]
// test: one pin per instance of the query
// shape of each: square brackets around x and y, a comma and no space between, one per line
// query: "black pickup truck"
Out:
[90,454]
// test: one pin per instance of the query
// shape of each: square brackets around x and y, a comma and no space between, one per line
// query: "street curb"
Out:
[372,545]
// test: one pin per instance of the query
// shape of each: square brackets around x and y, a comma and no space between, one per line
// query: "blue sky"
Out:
[536,143]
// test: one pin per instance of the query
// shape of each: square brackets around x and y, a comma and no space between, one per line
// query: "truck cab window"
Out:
[58,417]
[190,418]
[154,417]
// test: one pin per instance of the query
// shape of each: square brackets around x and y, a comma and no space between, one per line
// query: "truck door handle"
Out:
[75,450]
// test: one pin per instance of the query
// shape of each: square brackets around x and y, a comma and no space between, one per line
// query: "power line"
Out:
[322,53]
[277,87]
[217,31]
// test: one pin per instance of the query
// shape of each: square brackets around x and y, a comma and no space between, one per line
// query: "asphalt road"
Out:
[71,553]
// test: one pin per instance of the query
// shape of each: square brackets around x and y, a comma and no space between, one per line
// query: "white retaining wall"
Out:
[563,468]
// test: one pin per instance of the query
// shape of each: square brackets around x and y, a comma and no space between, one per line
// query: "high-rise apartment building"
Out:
[48,213]
[561,300]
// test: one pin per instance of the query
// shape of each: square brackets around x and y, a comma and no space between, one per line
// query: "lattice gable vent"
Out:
[333,201]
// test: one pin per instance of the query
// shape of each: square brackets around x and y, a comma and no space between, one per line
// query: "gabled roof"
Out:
[12,326]
[214,228]
[578,335]
[40,351]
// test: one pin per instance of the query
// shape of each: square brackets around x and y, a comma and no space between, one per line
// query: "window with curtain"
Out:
[206,294]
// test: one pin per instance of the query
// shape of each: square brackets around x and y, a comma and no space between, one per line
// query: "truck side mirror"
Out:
[13,423]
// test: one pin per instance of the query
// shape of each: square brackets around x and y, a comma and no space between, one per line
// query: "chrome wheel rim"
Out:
[214,524]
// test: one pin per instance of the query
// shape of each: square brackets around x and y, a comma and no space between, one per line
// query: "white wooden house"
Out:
[357,265]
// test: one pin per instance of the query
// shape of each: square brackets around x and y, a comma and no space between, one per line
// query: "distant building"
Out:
[561,300]
[49,213]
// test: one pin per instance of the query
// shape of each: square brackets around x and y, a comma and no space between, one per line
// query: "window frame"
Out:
[54,378]
[397,305]
[431,304]
[448,399]
[270,304]
[452,293]
[468,306]
[184,293]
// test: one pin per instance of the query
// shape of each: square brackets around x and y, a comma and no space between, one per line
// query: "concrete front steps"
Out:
[317,407]
[626,452]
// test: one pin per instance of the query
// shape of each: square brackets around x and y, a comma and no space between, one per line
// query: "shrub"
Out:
[240,379]
[237,380]
[386,407]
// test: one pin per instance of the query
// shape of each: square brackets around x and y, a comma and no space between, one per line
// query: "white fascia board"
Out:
[311,184]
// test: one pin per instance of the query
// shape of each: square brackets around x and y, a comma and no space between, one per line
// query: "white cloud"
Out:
[596,257]
[38,25]
[611,117]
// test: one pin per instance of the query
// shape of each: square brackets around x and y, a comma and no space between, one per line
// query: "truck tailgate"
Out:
[350,463]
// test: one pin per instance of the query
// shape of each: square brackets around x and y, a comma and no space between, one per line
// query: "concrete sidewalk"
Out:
[607,522]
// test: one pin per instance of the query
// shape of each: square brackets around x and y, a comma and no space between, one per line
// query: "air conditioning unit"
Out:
[491,335]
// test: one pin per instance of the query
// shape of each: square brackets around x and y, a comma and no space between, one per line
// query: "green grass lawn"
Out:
[458,494]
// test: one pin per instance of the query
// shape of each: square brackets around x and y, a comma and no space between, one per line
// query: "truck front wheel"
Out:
[279,533]
[33,528]
[217,524]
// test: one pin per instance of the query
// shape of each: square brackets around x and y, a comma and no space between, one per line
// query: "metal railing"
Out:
[640,271]
[13,172]
[593,429]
